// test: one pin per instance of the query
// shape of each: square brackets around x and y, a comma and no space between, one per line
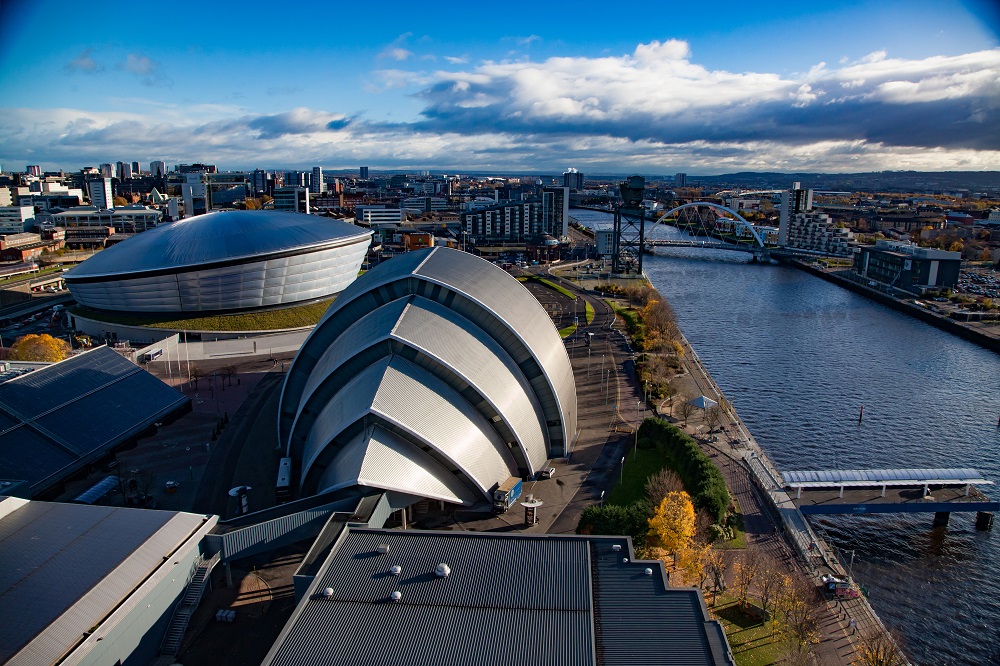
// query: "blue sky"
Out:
[525,87]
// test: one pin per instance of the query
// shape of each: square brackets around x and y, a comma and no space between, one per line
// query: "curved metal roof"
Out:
[218,237]
[509,303]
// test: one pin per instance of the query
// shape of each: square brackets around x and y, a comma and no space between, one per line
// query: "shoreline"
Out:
[944,323]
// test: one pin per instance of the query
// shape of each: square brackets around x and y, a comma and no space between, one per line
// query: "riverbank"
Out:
[774,525]
[983,335]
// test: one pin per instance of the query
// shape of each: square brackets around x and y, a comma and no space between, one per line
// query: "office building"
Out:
[296,179]
[555,212]
[292,199]
[363,173]
[259,181]
[158,168]
[905,266]
[377,215]
[131,219]
[136,170]
[195,193]
[33,170]
[573,179]
[316,184]
[107,170]
[680,180]
[99,190]
[16,219]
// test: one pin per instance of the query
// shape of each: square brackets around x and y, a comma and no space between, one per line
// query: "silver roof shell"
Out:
[502,307]
[217,237]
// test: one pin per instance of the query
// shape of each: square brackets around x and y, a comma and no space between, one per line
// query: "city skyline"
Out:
[851,87]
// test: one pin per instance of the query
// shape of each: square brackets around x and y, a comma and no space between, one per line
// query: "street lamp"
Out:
[621,474]
[635,447]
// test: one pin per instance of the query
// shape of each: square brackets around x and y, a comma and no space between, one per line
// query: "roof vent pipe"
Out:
[397,595]
[395,570]
[442,570]
[616,547]
[383,549]
[649,572]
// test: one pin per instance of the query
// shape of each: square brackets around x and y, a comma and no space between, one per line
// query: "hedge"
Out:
[614,520]
[700,476]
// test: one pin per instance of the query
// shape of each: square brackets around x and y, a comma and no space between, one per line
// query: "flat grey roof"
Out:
[60,417]
[64,567]
[882,477]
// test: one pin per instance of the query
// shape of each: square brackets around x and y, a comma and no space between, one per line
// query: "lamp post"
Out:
[635,446]
[621,474]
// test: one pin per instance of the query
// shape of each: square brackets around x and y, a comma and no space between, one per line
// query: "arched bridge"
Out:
[759,246]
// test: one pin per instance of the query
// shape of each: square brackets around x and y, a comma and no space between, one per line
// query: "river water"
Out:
[798,357]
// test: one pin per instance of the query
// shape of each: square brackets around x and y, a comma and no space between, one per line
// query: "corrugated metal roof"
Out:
[507,602]
[217,236]
[64,567]
[878,477]
[640,620]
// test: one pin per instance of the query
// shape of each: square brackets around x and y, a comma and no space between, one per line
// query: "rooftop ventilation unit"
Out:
[624,560]
[397,595]
[442,570]
[395,570]
[383,550]
[616,548]
[649,572]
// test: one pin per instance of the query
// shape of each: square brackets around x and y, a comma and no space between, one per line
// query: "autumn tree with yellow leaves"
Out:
[42,347]
[672,525]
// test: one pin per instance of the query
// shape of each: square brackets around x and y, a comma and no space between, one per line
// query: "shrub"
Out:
[702,479]
[612,520]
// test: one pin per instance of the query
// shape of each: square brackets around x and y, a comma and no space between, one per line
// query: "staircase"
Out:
[187,605]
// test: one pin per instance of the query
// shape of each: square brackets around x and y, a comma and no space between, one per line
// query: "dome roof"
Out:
[218,237]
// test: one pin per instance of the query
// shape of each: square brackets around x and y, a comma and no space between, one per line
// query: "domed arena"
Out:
[227,261]
[435,375]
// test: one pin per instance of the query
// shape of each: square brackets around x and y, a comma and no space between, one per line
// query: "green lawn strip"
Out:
[548,283]
[749,637]
[589,313]
[568,331]
[294,317]
[632,487]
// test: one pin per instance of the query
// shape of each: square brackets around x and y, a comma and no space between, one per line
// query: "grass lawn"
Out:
[548,283]
[27,276]
[749,638]
[589,314]
[568,331]
[294,317]
[633,485]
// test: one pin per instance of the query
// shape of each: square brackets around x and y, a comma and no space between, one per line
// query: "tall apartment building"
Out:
[513,222]
[296,179]
[573,179]
[294,199]
[259,179]
[363,173]
[99,190]
[158,168]
[34,170]
[107,170]
[555,211]
[793,201]
[136,170]
[680,180]
[316,185]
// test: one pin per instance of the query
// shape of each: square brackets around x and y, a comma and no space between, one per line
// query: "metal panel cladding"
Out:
[223,261]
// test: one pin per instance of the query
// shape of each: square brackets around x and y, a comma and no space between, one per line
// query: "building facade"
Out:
[16,219]
[292,199]
[99,190]
[903,265]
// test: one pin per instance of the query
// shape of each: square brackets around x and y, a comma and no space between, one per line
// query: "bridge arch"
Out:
[739,218]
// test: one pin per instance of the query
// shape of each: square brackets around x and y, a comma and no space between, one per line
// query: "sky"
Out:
[703,88]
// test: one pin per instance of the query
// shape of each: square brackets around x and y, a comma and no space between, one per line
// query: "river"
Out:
[798,357]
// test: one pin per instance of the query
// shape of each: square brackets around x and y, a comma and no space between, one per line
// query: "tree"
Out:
[229,371]
[986,255]
[195,373]
[251,203]
[716,566]
[713,417]
[878,647]
[686,409]
[118,201]
[692,561]
[42,347]
[672,524]
[745,572]
[770,581]
[797,617]
[670,390]
[661,484]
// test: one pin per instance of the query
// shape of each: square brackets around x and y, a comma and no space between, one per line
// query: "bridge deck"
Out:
[897,499]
